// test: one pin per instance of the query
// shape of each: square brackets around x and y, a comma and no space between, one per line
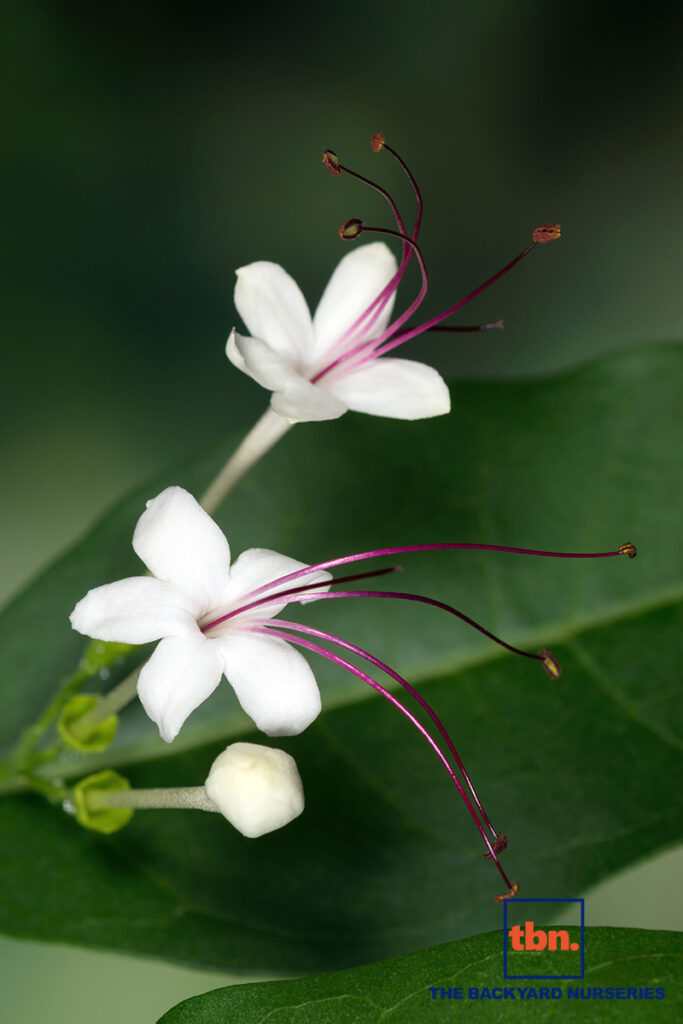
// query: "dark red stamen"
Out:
[494,325]
[400,596]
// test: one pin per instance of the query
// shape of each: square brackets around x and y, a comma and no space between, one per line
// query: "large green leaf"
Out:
[619,961]
[580,773]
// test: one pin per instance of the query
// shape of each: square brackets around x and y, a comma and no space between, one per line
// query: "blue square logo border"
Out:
[557,977]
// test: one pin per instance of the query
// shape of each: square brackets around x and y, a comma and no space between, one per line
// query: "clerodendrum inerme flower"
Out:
[319,367]
[212,618]
[193,583]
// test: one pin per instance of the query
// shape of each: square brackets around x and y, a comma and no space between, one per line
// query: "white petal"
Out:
[270,368]
[294,397]
[180,543]
[399,388]
[258,789]
[180,675]
[273,682]
[272,306]
[257,566]
[303,401]
[358,279]
[133,611]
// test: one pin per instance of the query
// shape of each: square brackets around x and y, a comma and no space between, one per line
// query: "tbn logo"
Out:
[523,933]
[529,937]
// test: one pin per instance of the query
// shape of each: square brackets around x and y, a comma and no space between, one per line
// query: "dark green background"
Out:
[148,150]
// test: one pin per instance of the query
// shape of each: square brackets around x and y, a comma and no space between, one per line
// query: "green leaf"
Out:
[618,960]
[580,773]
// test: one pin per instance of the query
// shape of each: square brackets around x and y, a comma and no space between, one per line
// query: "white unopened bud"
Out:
[258,789]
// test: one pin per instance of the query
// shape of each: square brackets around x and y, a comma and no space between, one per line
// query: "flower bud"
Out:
[258,789]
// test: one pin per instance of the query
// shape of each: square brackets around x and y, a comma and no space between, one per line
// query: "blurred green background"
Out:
[151,149]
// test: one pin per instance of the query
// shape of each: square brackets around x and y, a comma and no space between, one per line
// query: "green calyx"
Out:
[92,809]
[73,712]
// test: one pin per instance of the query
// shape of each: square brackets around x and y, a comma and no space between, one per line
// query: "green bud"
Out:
[89,797]
[76,708]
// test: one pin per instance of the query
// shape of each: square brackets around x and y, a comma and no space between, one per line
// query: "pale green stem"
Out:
[111,704]
[266,432]
[23,757]
[184,798]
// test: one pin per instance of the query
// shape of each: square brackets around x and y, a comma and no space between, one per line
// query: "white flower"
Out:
[192,585]
[313,366]
[258,789]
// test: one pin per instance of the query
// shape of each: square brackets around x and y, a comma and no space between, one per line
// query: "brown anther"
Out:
[377,142]
[331,161]
[628,549]
[546,233]
[508,895]
[350,229]
[551,665]
[499,844]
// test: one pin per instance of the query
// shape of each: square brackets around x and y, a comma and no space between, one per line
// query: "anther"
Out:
[331,161]
[628,549]
[377,142]
[514,889]
[499,844]
[551,665]
[546,233]
[350,229]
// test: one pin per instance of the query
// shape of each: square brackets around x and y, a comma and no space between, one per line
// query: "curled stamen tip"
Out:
[499,844]
[331,161]
[628,549]
[551,665]
[508,895]
[546,233]
[377,142]
[350,229]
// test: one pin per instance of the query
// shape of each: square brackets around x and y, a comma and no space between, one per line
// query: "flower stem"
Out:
[110,704]
[184,798]
[260,439]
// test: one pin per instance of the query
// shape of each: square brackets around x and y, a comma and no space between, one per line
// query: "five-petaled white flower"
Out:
[319,368]
[192,585]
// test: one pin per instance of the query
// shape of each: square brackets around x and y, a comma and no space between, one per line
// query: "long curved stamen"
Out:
[331,563]
[365,350]
[331,638]
[400,596]
[373,311]
[343,663]
[378,143]
[298,590]
[429,324]
[301,594]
